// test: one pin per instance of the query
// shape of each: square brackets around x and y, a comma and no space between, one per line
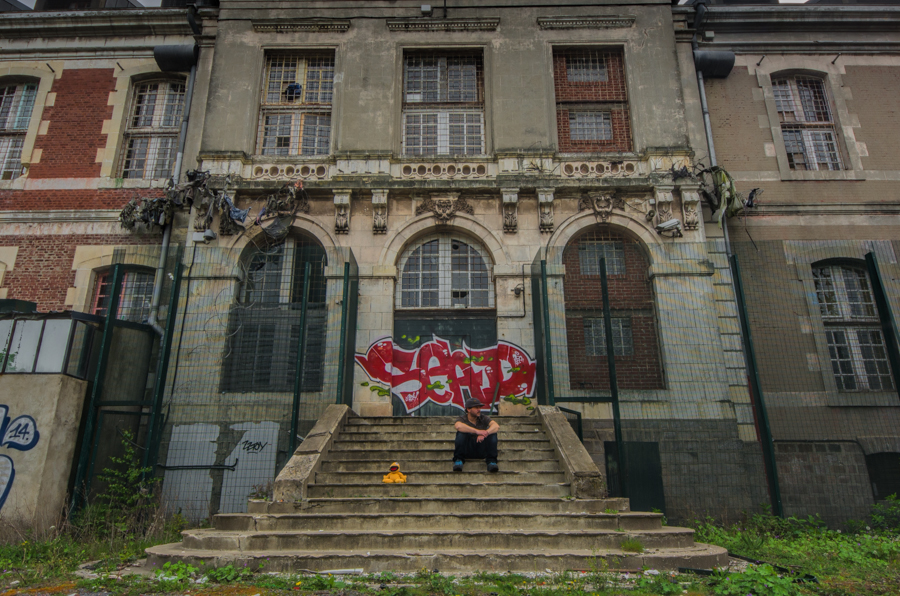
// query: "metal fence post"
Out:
[298,377]
[548,344]
[768,446]
[613,379]
[344,306]
[888,325]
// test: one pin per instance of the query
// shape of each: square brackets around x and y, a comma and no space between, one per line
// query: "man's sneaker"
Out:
[493,467]
[457,465]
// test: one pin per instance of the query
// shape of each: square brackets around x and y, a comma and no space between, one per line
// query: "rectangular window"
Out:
[590,253]
[592,113]
[807,124]
[295,116]
[595,336]
[443,104]
[151,132]
[16,105]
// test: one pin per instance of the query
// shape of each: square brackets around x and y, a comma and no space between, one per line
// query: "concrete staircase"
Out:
[523,518]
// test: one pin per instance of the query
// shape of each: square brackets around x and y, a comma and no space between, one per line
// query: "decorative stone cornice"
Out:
[306,25]
[94,23]
[587,22]
[420,24]
[445,207]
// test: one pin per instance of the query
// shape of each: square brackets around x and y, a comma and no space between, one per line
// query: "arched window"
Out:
[807,123]
[856,346]
[134,299]
[151,131]
[631,304]
[16,106]
[445,271]
[265,319]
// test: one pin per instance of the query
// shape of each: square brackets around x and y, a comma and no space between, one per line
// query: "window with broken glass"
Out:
[856,345]
[265,319]
[134,299]
[443,104]
[445,272]
[151,131]
[16,106]
[807,123]
[295,115]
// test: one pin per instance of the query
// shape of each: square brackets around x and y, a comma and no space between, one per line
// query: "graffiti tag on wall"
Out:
[437,373]
[20,434]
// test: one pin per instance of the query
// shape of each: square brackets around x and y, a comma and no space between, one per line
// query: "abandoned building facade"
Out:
[399,207]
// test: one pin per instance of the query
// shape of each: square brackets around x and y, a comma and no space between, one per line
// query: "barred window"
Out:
[295,116]
[16,106]
[445,272]
[856,345]
[592,113]
[134,299]
[443,105]
[590,252]
[151,132]
[807,124]
[595,336]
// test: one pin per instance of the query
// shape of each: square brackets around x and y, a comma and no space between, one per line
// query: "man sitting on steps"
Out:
[476,437]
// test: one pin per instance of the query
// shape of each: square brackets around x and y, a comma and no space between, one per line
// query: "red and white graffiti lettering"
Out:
[438,373]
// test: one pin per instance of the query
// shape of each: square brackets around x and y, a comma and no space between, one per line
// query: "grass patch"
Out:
[632,545]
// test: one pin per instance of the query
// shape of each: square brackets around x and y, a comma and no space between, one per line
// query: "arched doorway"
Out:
[445,326]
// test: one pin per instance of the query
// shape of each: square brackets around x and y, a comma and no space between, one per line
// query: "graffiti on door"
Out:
[20,434]
[438,373]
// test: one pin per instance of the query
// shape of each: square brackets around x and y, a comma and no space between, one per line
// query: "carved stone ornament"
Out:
[510,210]
[341,211]
[602,204]
[690,204]
[379,211]
[445,207]
[545,205]
[664,204]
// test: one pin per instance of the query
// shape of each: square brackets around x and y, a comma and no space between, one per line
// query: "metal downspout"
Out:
[153,321]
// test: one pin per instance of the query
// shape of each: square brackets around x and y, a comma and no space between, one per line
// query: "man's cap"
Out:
[473,403]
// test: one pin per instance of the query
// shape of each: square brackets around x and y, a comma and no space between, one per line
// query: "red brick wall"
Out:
[43,271]
[610,95]
[630,295]
[76,119]
[41,200]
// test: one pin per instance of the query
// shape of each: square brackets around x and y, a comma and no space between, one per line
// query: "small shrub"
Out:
[262,491]
[760,580]
[885,515]
[228,574]
[659,583]
[632,545]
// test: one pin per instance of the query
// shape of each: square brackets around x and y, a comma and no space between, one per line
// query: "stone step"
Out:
[433,540]
[412,455]
[442,505]
[429,427]
[342,443]
[460,522]
[433,420]
[699,556]
[435,465]
[458,489]
[473,472]
[438,435]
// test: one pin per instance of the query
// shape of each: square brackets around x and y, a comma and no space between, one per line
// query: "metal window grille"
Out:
[134,300]
[595,336]
[443,105]
[445,272]
[586,67]
[295,116]
[264,323]
[16,106]
[151,134]
[807,123]
[590,252]
[858,355]
[590,126]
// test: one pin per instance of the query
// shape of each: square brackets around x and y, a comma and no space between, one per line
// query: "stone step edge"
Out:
[578,514]
[697,556]
[620,502]
[664,531]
